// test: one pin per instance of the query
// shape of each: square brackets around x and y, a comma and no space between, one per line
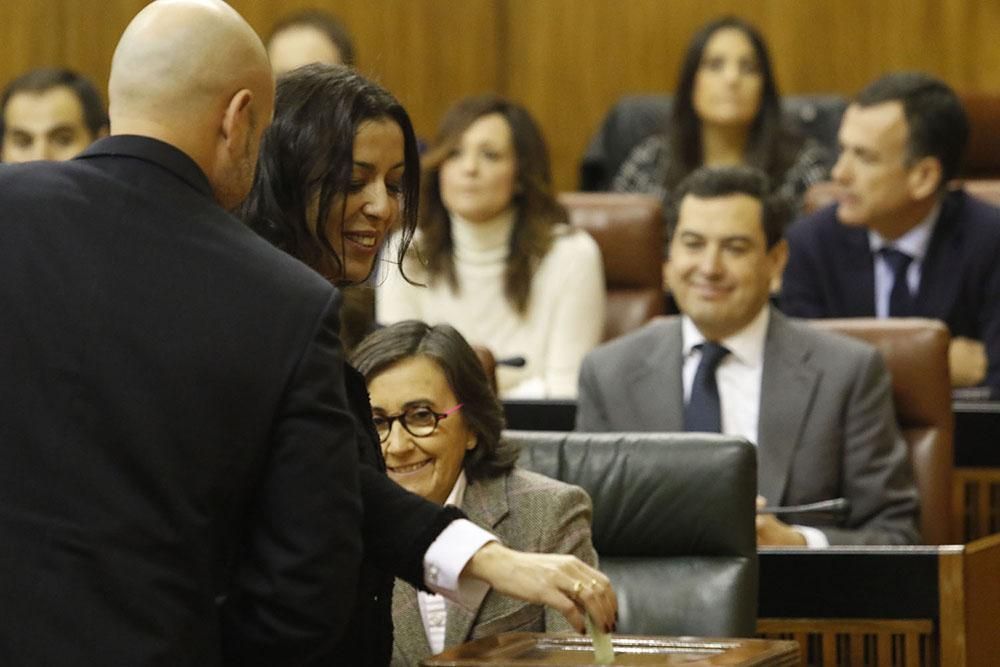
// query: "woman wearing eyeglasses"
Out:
[338,169]
[440,428]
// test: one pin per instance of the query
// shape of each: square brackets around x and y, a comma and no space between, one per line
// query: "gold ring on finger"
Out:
[577,587]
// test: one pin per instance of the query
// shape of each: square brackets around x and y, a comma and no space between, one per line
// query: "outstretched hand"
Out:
[562,582]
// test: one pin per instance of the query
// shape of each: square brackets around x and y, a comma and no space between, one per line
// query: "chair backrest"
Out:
[357,314]
[986,189]
[489,364]
[982,158]
[916,352]
[635,117]
[628,229]
[673,523]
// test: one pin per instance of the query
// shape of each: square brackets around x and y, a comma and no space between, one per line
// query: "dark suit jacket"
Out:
[826,428]
[178,468]
[830,272]
[529,512]
[398,528]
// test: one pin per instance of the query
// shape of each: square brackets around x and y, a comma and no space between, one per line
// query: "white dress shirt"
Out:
[443,563]
[914,243]
[738,378]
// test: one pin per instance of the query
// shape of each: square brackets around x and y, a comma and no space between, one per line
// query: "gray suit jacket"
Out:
[827,426]
[528,512]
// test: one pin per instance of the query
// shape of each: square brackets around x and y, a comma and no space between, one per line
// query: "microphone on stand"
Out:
[835,506]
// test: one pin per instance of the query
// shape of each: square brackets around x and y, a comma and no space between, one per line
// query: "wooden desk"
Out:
[976,480]
[536,649]
[923,606]
[540,414]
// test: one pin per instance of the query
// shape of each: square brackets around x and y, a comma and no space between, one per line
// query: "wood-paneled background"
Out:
[566,60]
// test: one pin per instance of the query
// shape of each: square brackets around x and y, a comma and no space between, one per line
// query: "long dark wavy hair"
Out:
[771,147]
[536,210]
[492,456]
[309,150]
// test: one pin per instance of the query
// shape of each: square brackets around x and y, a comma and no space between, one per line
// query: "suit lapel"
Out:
[939,279]
[656,390]
[409,634]
[486,504]
[787,386]
[857,284]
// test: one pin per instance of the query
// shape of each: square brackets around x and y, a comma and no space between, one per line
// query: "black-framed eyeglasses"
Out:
[419,421]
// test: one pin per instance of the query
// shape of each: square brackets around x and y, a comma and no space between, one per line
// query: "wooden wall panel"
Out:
[429,53]
[30,36]
[570,60]
[94,29]
[567,60]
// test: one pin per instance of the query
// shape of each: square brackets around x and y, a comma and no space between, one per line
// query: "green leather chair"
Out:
[673,523]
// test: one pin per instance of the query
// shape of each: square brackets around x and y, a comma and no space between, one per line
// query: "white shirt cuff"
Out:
[815,538]
[447,557]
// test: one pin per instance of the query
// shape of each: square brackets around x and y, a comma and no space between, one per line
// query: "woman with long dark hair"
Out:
[497,258]
[726,111]
[338,169]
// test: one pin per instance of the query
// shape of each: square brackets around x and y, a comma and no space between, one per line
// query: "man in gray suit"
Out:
[818,405]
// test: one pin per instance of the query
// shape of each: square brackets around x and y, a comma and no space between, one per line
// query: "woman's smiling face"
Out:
[359,221]
[428,465]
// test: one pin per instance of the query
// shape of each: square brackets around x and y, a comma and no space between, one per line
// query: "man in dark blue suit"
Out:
[900,242]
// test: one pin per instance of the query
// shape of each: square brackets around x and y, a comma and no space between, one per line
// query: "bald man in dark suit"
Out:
[178,470]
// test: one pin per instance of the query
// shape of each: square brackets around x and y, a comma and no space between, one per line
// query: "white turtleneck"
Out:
[564,319]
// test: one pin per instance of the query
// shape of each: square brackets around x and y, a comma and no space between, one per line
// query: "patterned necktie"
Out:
[702,412]
[900,299]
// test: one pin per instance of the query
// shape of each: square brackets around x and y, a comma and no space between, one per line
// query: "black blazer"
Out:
[178,464]
[830,272]
[399,527]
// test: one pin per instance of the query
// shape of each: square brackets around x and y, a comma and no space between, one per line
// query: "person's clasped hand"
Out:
[772,532]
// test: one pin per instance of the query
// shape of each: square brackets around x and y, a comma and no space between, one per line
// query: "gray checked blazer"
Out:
[528,512]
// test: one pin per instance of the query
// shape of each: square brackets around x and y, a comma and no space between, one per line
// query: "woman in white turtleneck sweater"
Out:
[498,260]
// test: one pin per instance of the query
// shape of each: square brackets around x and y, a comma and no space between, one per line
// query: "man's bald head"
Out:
[194,74]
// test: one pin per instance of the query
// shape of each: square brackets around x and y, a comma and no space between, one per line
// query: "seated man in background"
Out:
[900,242]
[818,405]
[310,36]
[49,114]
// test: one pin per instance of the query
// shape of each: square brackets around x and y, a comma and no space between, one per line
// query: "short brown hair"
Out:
[42,80]
[709,182]
[329,25]
[936,122]
[481,410]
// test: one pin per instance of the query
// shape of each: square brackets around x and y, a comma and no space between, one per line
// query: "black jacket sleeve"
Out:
[294,582]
